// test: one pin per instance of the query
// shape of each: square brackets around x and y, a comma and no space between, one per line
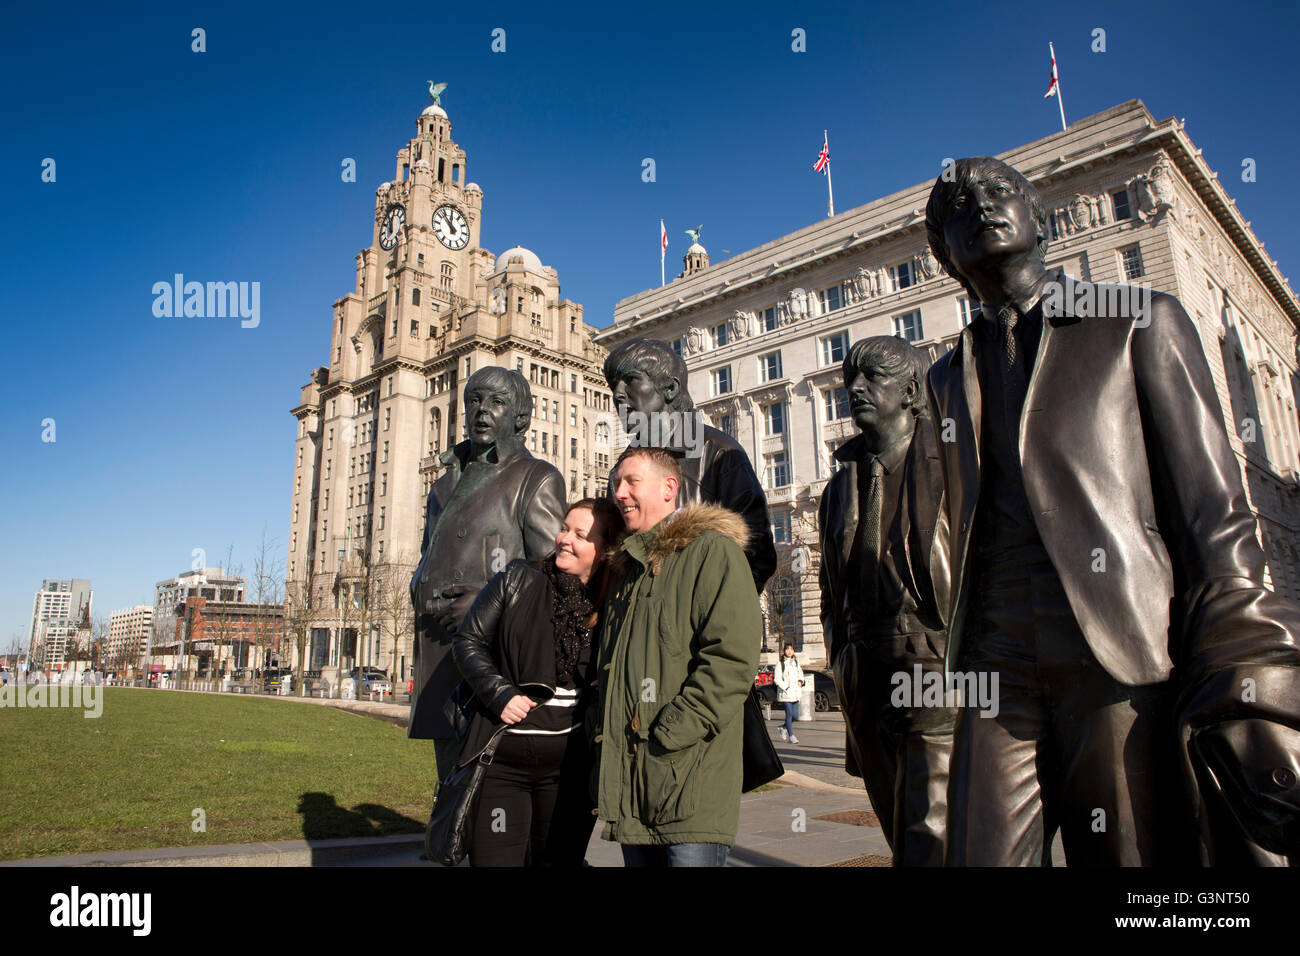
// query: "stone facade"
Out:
[430,307]
[128,638]
[1130,200]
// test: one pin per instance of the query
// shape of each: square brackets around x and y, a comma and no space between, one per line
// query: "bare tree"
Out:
[268,572]
[393,608]
[796,567]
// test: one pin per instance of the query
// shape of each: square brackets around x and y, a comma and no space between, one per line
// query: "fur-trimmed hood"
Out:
[683,526]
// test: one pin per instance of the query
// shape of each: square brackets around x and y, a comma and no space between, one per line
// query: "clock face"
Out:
[451,227]
[392,225]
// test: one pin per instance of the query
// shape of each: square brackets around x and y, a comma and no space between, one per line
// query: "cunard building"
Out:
[430,306]
[1131,200]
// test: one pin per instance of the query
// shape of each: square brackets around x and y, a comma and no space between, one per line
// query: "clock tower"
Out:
[430,306]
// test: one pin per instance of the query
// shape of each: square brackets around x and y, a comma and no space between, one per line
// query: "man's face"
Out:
[643,493]
[638,392]
[989,219]
[876,397]
[490,415]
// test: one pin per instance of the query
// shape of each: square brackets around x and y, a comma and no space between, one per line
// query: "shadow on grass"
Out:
[324,819]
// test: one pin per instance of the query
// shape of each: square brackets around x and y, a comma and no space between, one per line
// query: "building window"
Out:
[727,425]
[448,274]
[781,527]
[555,410]
[767,318]
[544,451]
[415,328]
[836,401]
[720,380]
[769,367]
[774,418]
[329,439]
[777,470]
[963,310]
[385,451]
[832,299]
[388,415]
[573,383]
[383,483]
[573,416]
[382,512]
[532,441]
[415,297]
[908,326]
[834,348]
[719,335]
[1131,259]
[677,346]
[1122,208]
[573,448]
[901,276]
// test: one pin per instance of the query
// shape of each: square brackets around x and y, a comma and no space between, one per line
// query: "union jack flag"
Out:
[823,158]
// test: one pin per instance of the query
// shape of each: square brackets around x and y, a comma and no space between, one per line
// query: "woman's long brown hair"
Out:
[605,516]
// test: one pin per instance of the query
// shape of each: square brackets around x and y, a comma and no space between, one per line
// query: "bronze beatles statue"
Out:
[495,503]
[884,636]
[1105,568]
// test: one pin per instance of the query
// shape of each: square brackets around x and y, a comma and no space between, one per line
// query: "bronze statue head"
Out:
[498,404]
[885,379]
[647,376]
[981,207]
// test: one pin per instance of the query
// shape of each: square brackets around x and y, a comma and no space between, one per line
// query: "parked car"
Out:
[273,677]
[373,681]
[825,696]
[765,684]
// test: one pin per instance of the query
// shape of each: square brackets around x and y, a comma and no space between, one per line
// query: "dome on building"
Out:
[518,255]
[422,164]
[472,188]
[696,247]
[432,110]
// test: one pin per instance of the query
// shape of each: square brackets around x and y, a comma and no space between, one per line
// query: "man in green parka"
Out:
[676,659]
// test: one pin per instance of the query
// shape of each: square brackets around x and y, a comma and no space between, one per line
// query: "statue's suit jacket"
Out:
[1127,468]
[517,506]
[837,525]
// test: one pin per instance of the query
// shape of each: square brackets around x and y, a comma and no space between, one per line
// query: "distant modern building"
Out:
[218,636]
[1130,200]
[60,609]
[128,638]
[376,424]
[211,584]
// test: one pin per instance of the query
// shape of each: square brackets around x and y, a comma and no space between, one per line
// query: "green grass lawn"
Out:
[259,769]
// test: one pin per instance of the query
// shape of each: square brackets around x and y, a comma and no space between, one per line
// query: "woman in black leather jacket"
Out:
[524,647]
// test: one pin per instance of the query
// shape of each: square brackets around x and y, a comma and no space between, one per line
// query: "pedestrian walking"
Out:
[789,688]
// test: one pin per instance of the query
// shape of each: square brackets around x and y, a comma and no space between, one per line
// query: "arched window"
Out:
[448,275]
[435,432]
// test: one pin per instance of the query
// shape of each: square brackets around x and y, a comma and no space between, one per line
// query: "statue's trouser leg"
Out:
[921,798]
[1069,747]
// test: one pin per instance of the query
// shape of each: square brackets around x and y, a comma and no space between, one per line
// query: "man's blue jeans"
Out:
[676,854]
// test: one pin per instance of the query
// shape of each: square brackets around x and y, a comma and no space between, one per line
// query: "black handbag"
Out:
[446,838]
[762,763]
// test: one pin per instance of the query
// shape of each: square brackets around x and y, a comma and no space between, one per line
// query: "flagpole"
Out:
[830,192]
[662,250]
[1060,101]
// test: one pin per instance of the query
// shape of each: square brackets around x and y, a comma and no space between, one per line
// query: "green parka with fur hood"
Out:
[678,649]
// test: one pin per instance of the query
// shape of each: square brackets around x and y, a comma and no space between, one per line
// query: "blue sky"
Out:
[175,434]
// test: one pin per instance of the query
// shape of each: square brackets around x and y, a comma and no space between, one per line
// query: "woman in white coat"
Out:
[789,687]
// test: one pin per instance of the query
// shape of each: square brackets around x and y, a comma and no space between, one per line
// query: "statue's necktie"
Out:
[874,505]
[1007,319]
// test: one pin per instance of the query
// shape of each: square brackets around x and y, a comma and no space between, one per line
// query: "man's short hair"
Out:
[949,185]
[655,359]
[664,460]
[893,356]
[495,377]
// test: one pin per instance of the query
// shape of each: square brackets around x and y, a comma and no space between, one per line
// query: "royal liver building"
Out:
[429,307]
[1131,200]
